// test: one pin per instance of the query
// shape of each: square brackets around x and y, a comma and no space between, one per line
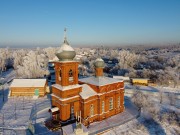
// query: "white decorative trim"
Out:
[63,88]
[65,99]
[110,91]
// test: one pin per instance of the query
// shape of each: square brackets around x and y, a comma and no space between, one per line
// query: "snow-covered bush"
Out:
[140,99]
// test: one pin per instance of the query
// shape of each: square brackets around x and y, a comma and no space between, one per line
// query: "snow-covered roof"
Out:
[63,88]
[65,47]
[121,77]
[99,59]
[64,99]
[99,81]
[55,109]
[87,91]
[140,78]
[28,83]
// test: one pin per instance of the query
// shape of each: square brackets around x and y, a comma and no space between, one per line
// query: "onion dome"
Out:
[99,63]
[66,52]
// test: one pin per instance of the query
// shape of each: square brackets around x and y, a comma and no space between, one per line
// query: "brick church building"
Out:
[93,99]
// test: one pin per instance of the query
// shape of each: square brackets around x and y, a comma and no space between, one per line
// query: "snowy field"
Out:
[17,112]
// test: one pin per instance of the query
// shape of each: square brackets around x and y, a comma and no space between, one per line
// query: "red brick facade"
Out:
[108,101]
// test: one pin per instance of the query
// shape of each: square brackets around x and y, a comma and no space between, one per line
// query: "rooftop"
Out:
[87,91]
[99,81]
[28,83]
[140,78]
[63,88]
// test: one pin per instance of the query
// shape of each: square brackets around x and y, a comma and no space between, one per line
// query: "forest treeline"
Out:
[160,64]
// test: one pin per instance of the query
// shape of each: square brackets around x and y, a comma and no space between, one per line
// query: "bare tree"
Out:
[172,98]
[139,99]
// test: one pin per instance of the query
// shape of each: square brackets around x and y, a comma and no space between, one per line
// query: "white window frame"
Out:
[103,106]
[111,103]
[91,110]
[119,105]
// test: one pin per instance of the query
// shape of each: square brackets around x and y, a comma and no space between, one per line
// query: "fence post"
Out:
[3,118]
[15,111]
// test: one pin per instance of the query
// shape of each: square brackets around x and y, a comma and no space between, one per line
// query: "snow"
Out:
[87,91]
[7,76]
[121,77]
[28,83]
[55,109]
[99,81]
[139,78]
[65,47]
[17,118]
[98,59]
[69,129]
[54,59]
[63,88]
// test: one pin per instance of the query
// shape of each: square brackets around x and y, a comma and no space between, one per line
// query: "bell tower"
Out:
[66,69]
[65,93]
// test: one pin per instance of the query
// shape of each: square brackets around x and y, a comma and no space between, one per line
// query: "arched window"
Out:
[92,110]
[60,74]
[70,73]
[111,103]
[71,78]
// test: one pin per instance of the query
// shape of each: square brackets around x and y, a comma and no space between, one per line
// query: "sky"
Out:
[89,22]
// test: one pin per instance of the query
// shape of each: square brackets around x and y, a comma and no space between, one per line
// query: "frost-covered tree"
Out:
[127,59]
[4,58]
[50,52]
[18,58]
[33,66]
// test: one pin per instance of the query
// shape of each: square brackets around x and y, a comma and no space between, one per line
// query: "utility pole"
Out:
[3,92]
[3,118]
[15,111]
[23,102]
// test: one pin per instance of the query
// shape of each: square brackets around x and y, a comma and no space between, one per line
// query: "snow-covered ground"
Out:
[7,76]
[17,112]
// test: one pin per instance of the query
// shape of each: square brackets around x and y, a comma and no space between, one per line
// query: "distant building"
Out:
[94,98]
[28,87]
[126,79]
[140,81]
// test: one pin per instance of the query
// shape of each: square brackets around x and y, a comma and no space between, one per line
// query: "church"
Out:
[90,99]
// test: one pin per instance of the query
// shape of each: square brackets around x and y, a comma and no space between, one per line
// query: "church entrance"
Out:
[54,113]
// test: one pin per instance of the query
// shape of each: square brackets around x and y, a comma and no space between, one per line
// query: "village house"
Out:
[28,87]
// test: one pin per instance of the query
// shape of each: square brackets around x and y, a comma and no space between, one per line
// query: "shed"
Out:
[140,81]
[28,87]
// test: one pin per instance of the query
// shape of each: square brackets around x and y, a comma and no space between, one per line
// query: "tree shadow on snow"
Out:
[153,127]
[5,98]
